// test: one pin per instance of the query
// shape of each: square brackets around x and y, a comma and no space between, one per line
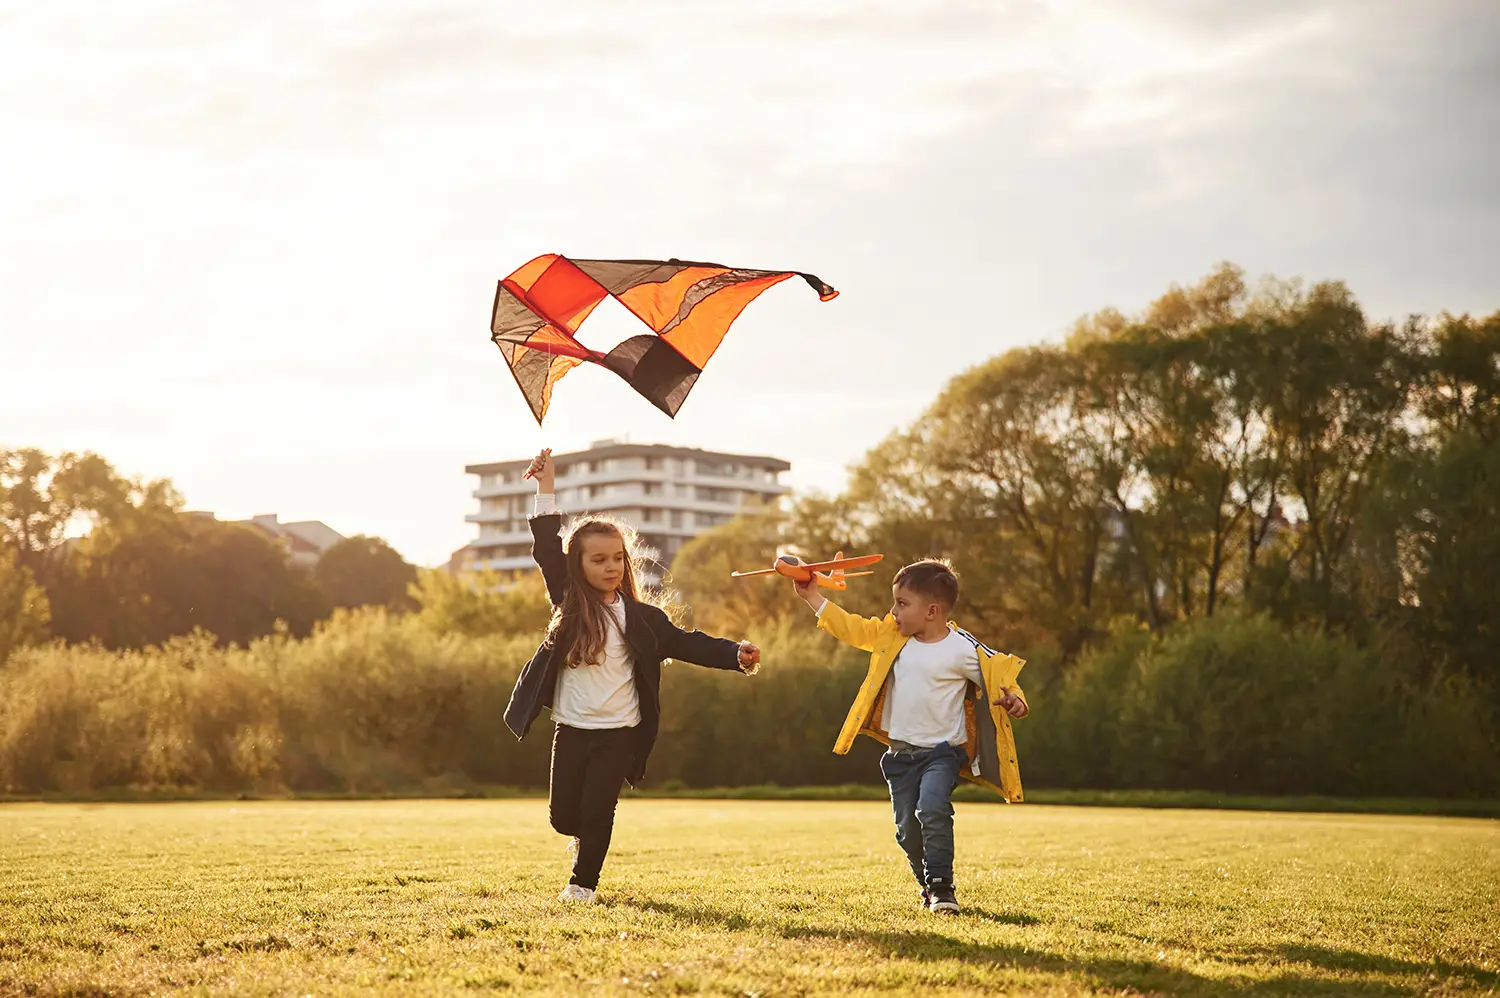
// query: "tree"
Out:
[242,583]
[1447,503]
[24,610]
[1337,410]
[725,605]
[43,497]
[365,571]
[1003,475]
[143,578]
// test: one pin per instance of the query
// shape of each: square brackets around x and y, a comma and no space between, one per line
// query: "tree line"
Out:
[1241,449]
[88,555]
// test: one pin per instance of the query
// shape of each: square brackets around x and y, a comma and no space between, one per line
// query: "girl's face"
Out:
[603,562]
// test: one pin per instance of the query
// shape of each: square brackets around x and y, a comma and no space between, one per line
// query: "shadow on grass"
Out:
[1353,961]
[1369,963]
[1113,973]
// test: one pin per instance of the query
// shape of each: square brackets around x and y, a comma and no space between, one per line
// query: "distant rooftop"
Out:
[613,448]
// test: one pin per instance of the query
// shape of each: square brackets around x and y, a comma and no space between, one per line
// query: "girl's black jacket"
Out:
[650,634]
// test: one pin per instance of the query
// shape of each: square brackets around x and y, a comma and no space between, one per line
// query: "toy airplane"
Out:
[830,574]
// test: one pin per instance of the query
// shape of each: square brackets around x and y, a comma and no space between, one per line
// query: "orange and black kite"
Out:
[690,307]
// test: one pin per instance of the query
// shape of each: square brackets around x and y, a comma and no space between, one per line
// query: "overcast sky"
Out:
[253,247]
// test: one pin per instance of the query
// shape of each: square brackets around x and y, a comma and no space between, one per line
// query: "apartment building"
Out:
[668,494]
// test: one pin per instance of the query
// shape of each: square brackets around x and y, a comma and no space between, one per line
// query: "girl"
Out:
[599,670]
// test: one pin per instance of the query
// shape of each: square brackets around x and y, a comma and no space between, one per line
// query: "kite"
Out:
[688,306]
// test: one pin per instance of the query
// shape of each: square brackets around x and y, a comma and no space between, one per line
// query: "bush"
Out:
[369,702]
[1239,704]
[374,702]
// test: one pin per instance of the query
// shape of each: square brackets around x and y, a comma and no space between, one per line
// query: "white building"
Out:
[668,494]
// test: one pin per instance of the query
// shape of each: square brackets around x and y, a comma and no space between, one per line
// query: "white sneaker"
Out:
[573,892]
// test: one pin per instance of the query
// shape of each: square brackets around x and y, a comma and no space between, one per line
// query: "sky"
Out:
[253,248]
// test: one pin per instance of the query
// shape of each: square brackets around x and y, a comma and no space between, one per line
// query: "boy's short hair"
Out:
[933,578]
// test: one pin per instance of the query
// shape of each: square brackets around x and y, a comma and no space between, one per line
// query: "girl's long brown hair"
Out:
[581,625]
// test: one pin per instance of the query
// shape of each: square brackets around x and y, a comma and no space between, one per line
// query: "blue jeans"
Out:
[922,783]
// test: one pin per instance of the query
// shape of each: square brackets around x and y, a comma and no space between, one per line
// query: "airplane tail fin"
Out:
[835,578]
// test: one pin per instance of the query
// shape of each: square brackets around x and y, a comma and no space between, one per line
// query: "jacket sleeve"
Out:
[698,648]
[547,552]
[861,632]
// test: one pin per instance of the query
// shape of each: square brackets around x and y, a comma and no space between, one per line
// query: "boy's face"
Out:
[912,610]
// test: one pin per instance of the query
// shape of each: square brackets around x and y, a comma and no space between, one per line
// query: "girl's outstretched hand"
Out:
[749,658]
[541,469]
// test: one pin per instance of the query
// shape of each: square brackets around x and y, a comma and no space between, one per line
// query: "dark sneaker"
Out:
[941,898]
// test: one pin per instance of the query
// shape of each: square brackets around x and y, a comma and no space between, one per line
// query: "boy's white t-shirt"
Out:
[924,699]
[602,695]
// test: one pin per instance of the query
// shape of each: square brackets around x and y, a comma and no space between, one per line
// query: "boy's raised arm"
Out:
[851,629]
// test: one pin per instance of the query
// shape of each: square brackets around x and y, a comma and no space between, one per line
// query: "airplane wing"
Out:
[742,575]
[838,563]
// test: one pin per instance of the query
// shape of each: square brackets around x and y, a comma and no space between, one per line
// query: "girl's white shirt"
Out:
[603,694]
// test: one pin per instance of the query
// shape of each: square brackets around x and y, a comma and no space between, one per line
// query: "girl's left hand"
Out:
[749,658]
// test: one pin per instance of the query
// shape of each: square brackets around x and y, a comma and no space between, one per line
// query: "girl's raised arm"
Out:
[546,541]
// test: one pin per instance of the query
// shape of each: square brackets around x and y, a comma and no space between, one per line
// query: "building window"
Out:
[653,464]
[677,519]
[652,488]
[714,495]
[651,516]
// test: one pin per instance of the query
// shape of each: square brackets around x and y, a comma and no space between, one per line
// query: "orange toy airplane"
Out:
[830,574]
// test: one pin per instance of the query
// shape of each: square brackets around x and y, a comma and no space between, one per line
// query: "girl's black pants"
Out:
[588,769]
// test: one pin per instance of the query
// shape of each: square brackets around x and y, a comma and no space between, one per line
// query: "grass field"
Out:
[739,897]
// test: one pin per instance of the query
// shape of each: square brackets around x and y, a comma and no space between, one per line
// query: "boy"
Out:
[927,696]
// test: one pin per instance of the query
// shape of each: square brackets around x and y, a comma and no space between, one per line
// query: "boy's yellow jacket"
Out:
[990,743]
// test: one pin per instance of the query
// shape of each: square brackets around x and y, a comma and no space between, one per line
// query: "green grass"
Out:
[739,897]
